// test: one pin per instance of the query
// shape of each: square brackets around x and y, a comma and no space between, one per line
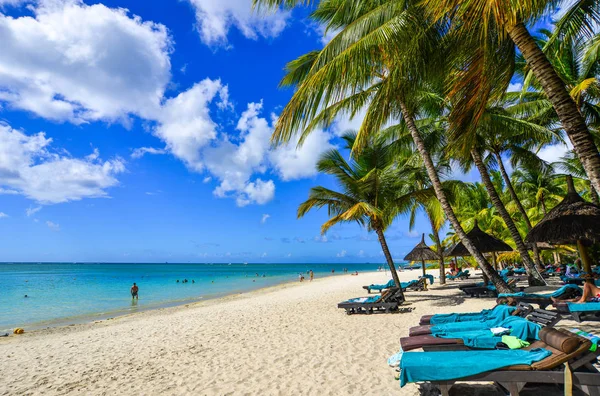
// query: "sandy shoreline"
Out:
[286,339]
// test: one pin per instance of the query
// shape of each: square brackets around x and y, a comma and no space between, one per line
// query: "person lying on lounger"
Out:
[591,293]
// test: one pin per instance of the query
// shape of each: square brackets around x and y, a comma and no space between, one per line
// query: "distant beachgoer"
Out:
[333,271]
[26,296]
[177,280]
[578,263]
[193,281]
[264,275]
[312,275]
[134,291]
[355,273]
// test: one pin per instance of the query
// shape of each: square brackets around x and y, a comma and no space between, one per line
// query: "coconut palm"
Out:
[378,61]
[541,189]
[570,164]
[486,61]
[367,191]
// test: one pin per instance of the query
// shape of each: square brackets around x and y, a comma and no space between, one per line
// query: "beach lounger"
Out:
[387,301]
[462,275]
[418,284]
[566,292]
[381,287]
[521,309]
[562,346]
[420,337]
[580,312]
[490,290]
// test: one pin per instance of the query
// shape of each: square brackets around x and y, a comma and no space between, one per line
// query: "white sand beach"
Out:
[290,339]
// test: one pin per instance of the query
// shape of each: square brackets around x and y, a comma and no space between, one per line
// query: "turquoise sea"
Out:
[65,293]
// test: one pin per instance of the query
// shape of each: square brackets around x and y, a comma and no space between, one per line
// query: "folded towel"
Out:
[373,299]
[514,342]
[441,366]
[390,283]
[557,293]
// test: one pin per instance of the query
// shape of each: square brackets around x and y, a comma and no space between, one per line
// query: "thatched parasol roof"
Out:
[485,243]
[571,220]
[540,246]
[421,252]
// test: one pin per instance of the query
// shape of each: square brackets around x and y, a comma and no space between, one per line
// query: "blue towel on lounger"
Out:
[443,366]
[557,293]
[584,307]
[404,285]
[520,327]
[499,311]
[366,300]
[484,339]
[388,285]
[430,277]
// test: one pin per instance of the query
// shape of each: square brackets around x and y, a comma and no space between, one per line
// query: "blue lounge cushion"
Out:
[390,283]
[365,300]
[443,366]
[499,311]
[584,307]
[557,293]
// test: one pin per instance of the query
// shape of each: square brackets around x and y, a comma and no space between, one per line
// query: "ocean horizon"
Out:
[66,293]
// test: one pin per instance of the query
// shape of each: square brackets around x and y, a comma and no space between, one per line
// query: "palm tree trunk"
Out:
[440,251]
[517,201]
[535,279]
[594,194]
[487,269]
[388,255]
[568,113]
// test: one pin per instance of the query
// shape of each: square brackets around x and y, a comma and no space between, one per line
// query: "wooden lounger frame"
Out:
[390,301]
[584,316]
[542,302]
[420,285]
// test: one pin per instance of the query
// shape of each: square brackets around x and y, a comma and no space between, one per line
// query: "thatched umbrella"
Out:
[422,253]
[572,222]
[485,243]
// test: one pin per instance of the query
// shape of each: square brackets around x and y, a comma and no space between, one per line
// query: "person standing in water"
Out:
[134,291]
[312,275]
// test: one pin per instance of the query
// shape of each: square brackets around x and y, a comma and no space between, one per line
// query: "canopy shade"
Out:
[485,243]
[572,220]
[421,252]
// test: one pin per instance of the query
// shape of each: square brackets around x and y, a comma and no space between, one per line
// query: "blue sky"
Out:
[138,131]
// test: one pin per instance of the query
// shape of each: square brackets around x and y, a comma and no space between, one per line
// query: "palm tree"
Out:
[367,191]
[361,67]
[570,164]
[541,189]
[486,61]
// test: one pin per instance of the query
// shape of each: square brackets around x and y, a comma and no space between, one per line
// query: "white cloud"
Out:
[79,63]
[185,124]
[139,152]
[30,211]
[324,36]
[361,253]
[264,218]
[30,167]
[207,179]
[8,192]
[264,254]
[321,239]
[554,152]
[215,18]
[292,162]
[342,254]
[289,255]
[515,87]
[53,226]
[412,234]
[2,215]
[234,164]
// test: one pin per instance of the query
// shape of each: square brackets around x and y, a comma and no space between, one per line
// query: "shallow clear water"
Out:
[63,293]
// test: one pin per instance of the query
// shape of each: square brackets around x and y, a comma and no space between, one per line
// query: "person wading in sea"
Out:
[134,292]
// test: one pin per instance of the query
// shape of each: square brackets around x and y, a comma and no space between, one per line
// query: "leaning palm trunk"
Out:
[388,256]
[535,279]
[487,269]
[594,194]
[517,201]
[568,113]
[440,251]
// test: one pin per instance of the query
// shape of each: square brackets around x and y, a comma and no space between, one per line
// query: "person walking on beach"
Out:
[134,291]
[312,275]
